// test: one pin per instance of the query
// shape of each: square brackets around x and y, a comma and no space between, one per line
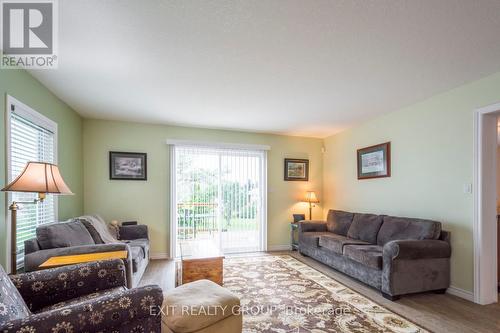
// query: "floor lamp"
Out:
[311,199]
[37,177]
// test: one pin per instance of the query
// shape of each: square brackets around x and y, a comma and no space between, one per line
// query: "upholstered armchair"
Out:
[78,298]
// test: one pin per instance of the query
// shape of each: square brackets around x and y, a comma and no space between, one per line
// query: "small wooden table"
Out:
[199,261]
[82,258]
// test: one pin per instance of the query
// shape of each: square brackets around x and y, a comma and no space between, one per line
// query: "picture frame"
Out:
[128,166]
[374,161]
[296,169]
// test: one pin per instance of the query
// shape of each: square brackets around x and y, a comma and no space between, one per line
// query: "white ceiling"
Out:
[281,66]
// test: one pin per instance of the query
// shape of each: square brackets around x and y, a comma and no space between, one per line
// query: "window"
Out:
[30,137]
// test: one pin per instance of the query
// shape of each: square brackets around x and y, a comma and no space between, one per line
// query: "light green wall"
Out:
[432,159]
[148,201]
[22,86]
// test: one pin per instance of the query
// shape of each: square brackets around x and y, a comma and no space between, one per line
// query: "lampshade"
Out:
[311,197]
[39,177]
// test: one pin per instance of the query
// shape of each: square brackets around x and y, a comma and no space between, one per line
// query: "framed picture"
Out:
[374,161]
[127,166]
[296,169]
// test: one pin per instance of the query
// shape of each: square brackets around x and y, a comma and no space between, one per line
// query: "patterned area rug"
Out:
[279,294]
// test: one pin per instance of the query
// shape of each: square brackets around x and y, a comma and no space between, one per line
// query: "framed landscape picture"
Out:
[374,161]
[296,169]
[127,166]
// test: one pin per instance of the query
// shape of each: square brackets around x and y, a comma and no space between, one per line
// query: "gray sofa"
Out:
[396,255]
[79,236]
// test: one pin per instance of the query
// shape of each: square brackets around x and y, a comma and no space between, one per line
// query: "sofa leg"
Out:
[440,291]
[391,297]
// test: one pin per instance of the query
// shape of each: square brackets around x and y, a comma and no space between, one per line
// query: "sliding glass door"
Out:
[219,198]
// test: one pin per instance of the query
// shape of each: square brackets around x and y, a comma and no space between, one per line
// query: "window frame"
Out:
[38,119]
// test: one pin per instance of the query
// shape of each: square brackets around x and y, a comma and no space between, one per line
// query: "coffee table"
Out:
[199,260]
[82,258]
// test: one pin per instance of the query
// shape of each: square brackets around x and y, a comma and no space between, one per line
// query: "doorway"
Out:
[218,199]
[485,204]
[498,201]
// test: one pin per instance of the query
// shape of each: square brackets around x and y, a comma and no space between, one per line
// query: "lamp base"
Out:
[13,240]
[14,207]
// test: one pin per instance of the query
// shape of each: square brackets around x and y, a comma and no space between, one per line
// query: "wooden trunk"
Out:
[202,268]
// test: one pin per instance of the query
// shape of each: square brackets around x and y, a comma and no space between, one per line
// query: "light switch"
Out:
[468,188]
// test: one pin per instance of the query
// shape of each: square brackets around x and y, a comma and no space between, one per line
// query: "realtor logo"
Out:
[28,34]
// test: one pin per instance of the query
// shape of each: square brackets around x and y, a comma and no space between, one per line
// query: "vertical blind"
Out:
[29,142]
[219,197]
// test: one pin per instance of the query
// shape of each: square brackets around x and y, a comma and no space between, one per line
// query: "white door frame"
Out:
[485,212]
[172,204]
[173,198]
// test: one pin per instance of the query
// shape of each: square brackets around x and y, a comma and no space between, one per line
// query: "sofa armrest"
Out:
[32,261]
[50,286]
[108,313]
[416,249]
[312,225]
[131,232]
[31,245]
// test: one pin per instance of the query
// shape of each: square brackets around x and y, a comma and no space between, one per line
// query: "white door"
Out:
[219,198]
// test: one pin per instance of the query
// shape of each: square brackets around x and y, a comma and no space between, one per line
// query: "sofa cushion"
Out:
[102,228]
[336,243]
[339,221]
[63,234]
[368,255]
[365,227]
[92,231]
[12,305]
[401,228]
[311,238]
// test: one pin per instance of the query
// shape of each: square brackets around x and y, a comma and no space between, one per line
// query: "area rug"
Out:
[280,294]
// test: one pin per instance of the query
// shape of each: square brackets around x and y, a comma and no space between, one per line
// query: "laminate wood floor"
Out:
[437,313]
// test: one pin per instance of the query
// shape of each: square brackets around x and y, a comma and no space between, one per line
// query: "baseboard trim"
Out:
[159,255]
[467,295]
[271,248]
[285,247]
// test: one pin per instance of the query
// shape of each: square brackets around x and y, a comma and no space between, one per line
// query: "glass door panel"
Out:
[219,198]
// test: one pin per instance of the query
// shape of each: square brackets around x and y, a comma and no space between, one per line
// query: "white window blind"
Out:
[29,141]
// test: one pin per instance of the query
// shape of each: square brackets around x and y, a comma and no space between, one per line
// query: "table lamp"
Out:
[311,198]
[37,177]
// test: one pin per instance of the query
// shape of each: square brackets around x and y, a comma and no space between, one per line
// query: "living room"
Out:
[268,156]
